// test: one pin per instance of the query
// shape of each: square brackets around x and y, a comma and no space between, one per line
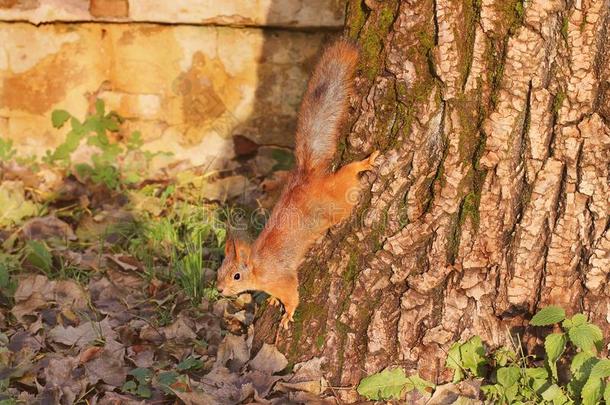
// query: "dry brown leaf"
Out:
[33,284]
[28,307]
[35,292]
[59,377]
[226,386]
[196,398]
[313,387]
[144,359]
[113,398]
[261,381]
[233,349]
[84,334]
[109,366]
[125,280]
[269,360]
[125,263]
[70,293]
[301,397]
[46,228]
[181,330]
[310,370]
[23,340]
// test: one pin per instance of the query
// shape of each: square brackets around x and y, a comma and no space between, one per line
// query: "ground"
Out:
[107,284]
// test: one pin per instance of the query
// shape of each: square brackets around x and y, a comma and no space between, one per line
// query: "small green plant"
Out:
[142,380]
[8,265]
[392,384]
[140,384]
[516,378]
[187,239]
[38,255]
[115,164]
[467,359]
[7,152]
[199,230]
[190,364]
[519,379]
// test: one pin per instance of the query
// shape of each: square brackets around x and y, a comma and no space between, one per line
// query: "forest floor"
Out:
[107,296]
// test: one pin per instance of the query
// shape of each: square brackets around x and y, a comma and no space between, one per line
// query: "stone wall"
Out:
[191,75]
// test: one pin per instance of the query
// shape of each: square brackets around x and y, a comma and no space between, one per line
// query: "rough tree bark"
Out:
[492,195]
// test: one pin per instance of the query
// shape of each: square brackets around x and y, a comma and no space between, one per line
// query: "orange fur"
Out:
[314,198]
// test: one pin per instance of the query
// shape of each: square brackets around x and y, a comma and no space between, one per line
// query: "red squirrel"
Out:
[314,198]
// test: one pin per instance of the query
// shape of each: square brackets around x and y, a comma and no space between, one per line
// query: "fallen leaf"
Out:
[181,330]
[146,203]
[313,387]
[196,398]
[113,398]
[107,225]
[84,334]
[261,381]
[127,280]
[23,339]
[33,284]
[35,292]
[14,205]
[46,228]
[59,376]
[301,397]
[309,370]
[233,349]
[143,359]
[109,366]
[69,293]
[269,360]
[29,307]
[126,263]
[225,386]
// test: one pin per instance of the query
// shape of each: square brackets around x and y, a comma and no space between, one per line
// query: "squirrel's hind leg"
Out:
[286,292]
[360,166]
[290,306]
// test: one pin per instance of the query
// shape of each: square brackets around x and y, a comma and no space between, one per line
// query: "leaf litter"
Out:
[91,312]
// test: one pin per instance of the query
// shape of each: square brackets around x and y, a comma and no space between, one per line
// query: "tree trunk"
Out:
[491,199]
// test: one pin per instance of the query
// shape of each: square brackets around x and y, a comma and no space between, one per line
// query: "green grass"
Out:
[172,233]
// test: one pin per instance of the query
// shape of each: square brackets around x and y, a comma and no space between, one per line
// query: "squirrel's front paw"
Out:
[273,301]
[372,158]
[286,319]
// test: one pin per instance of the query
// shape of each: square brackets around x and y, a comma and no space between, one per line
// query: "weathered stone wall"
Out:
[191,75]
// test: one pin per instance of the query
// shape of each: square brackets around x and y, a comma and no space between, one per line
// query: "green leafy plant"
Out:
[520,379]
[467,358]
[392,384]
[140,384]
[189,364]
[8,265]
[7,152]
[142,380]
[114,164]
[38,255]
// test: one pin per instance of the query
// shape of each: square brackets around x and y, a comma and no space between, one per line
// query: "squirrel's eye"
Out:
[236,276]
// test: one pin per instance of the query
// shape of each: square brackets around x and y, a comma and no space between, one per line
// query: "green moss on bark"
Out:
[372,34]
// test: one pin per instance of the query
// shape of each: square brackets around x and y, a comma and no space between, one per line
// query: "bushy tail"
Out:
[324,107]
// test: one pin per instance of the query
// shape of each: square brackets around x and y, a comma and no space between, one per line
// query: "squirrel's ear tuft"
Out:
[242,250]
[230,247]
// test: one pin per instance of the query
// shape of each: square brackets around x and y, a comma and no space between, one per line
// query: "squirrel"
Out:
[314,198]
